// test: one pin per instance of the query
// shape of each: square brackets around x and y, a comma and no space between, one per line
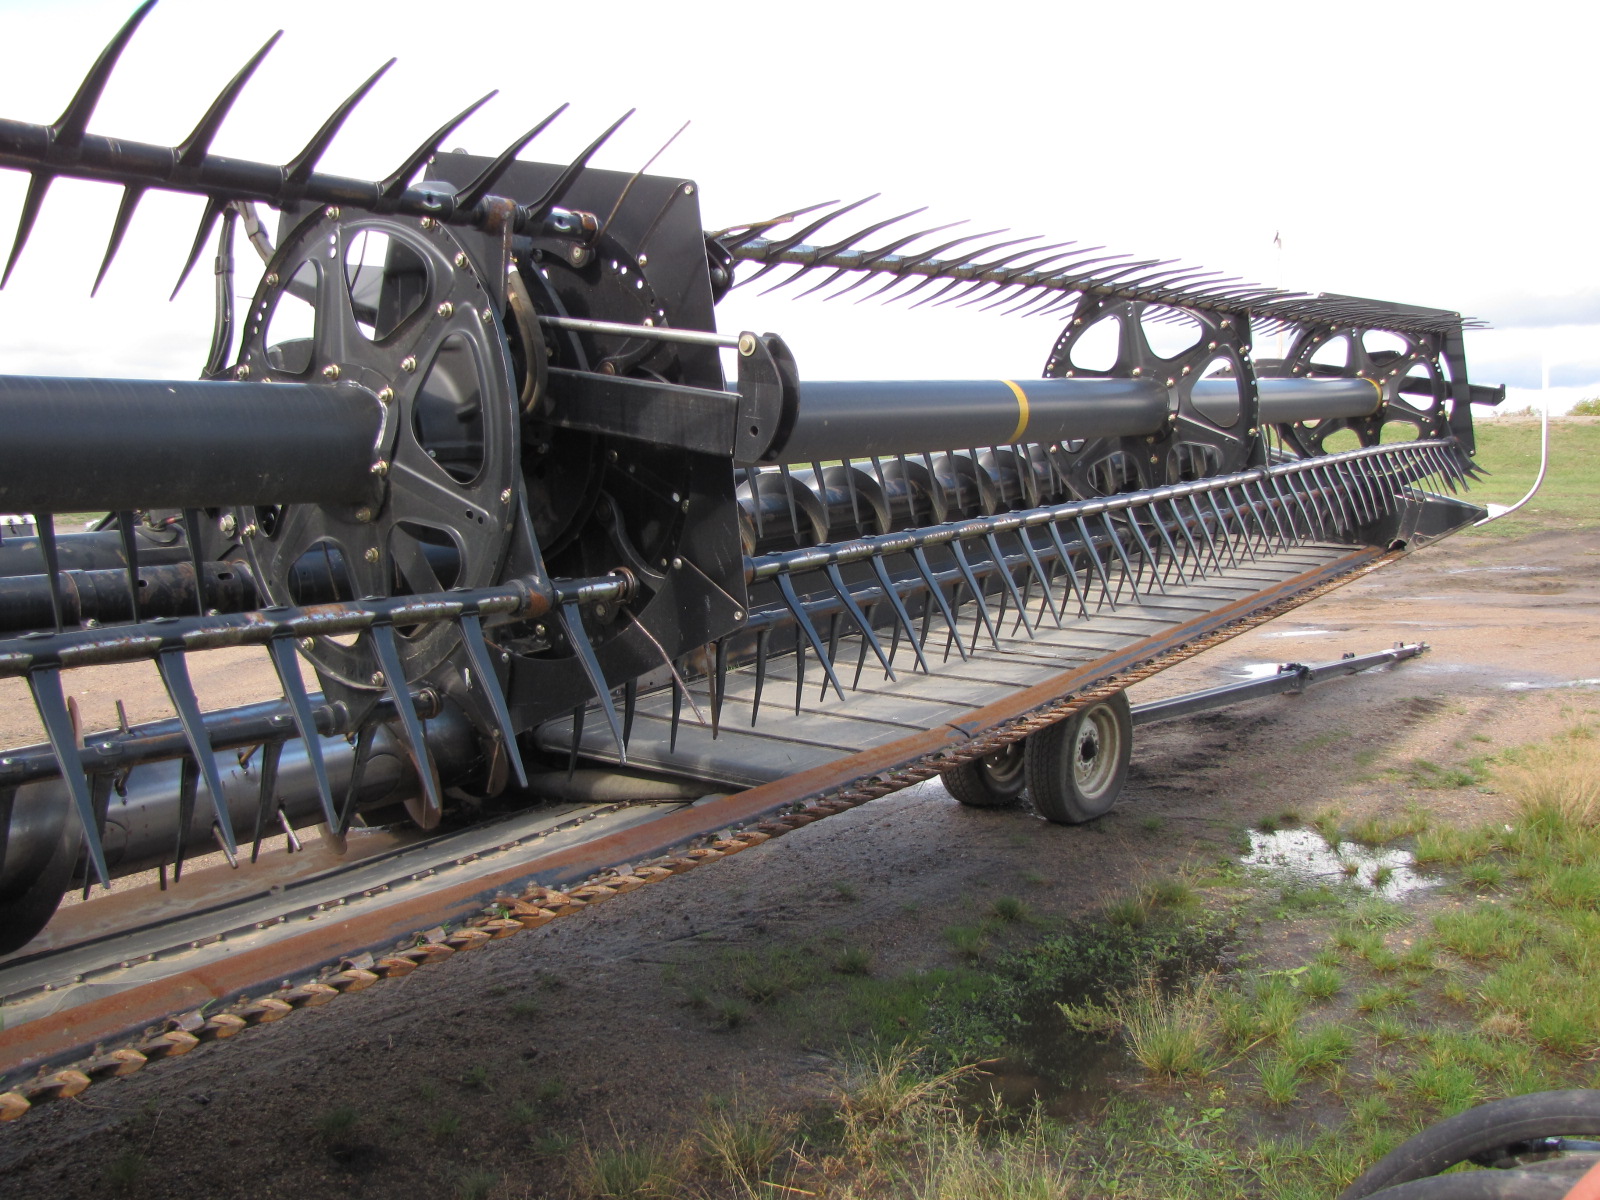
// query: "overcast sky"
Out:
[1437,154]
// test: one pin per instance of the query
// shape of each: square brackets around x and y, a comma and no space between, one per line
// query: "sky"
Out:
[1427,153]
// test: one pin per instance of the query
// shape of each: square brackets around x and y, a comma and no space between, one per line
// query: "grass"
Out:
[334,1127]
[853,960]
[628,1171]
[1009,909]
[742,1148]
[1570,495]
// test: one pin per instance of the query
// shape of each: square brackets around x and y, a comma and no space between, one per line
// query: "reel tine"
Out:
[542,206]
[761,672]
[775,251]
[902,270]
[393,187]
[208,219]
[173,666]
[192,150]
[38,184]
[861,654]
[919,557]
[901,616]
[1047,602]
[719,659]
[478,652]
[630,706]
[270,753]
[1099,567]
[833,652]
[358,771]
[1222,530]
[1122,555]
[130,553]
[755,229]
[825,254]
[856,615]
[1148,556]
[1205,532]
[577,737]
[286,663]
[191,532]
[788,494]
[1065,558]
[188,788]
[977,593]
[792,601]
[578,638]
[51,702]
[628,187]
[45,525]
[298,169]
[1010,582]
[394,679]
[131,195]
[475,191]
[869,267]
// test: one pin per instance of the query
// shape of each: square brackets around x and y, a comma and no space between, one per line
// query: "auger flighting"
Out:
[471,453]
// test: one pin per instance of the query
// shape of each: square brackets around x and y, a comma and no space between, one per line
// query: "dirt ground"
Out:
[591,1014]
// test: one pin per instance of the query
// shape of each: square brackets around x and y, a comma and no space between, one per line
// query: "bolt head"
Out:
[386,395]
[242,371]
[428,222]
[408,363]
[747,344]
[331,371]
[307,643]
[1137,371]
[228,524]
[505,496]
[644,260]
[380,468]
[677,564]
[688,189]
[331,212]
[446,309]
[577,254]
[461,258]
[376,678]
[251,530]
[271,279]
[487,316]
[370,554]
[364,515]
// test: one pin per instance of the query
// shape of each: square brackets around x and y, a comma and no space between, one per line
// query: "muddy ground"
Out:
[592,1018]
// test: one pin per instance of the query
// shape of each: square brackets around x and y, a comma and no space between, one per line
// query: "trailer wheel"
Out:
[1075,768]
[991,781]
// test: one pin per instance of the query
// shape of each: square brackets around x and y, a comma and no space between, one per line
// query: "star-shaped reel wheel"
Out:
[1406,369]
[1200,359]
[394,306]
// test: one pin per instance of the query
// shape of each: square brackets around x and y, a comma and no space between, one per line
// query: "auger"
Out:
[472,457]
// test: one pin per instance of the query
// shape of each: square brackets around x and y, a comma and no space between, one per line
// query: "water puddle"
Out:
[1303,855]
[1067,1074]
[1293,633]
[1517,685]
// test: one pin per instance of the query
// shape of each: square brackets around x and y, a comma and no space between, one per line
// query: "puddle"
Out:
[1520,686]
[1256,670]
[1302,854]
[1066,1074]
[1289,633]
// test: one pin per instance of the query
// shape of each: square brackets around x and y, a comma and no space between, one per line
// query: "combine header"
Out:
[471,456]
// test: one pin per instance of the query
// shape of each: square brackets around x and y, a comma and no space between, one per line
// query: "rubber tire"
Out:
[1574,1113]
[1056,783]
[989,782]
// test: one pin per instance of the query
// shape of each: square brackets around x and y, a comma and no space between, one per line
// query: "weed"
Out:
[1173,892]
[1280,1079]
[1010,909]
[1370,1112]
[968,941]
[1424,774]
[1327,824]
[853,960]
[1032,878]
[552,1145]
[476,1077]
[525,1113]
[427,1091]
[1571,886]
[1169,1033]
[1557,785]
[1129,912]
[1152,824]
[1318,1049]
[1278,1004]
[1374,912]
[475,1185]
[697,998]
[1483,931]
[1383,996]
[764,976]
[1450,846]
[444,1126]
[335,1126]
[1483,877]
[1452,1086]
[1417,957]
[732,1013]
[846,890]
[1320,981]
[1292,899]
[1381,876]
[1387,1028]
[1380,831]
[550,1091]
[742,1148]
[879,1089]
[627,1171]
[525,1008]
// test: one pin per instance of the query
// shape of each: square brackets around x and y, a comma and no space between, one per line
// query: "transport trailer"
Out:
[478,461]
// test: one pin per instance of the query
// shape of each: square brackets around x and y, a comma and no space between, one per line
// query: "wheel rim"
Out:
[1096,753]
[1004,768]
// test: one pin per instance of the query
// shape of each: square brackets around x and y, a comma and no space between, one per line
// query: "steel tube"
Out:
[104,445]
[860,418]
